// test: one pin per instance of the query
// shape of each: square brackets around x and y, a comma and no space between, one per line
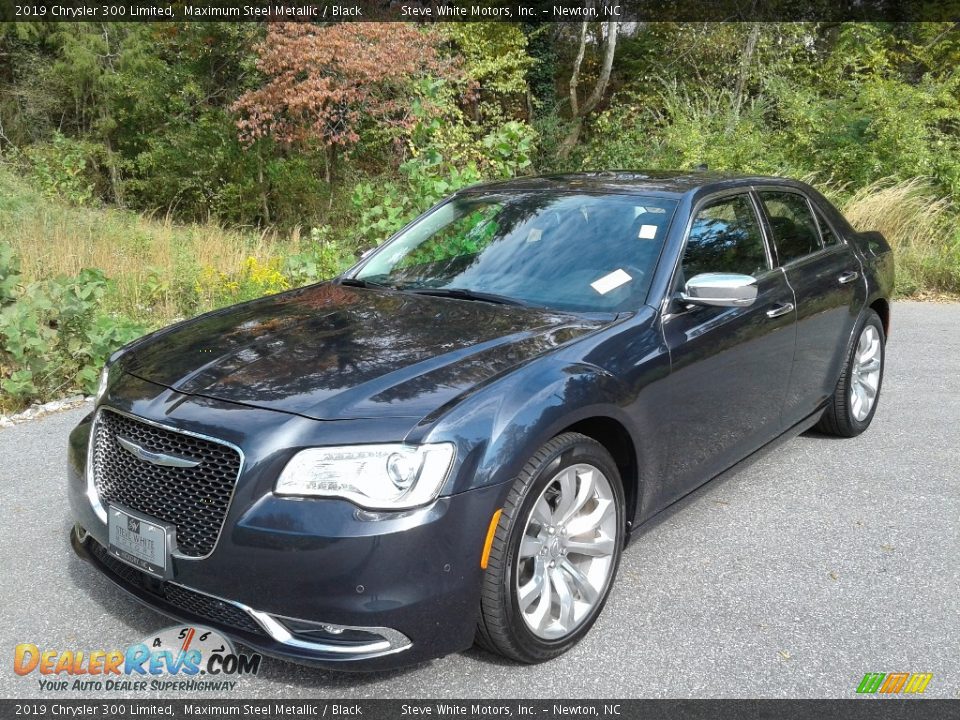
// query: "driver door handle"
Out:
[848,277]
[781,309]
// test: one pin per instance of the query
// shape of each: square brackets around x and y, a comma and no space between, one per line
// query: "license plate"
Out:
[145,544]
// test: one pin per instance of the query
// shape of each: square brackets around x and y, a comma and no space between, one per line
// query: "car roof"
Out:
[661,182]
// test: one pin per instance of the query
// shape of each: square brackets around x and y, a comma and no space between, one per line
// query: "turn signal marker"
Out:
[491,531]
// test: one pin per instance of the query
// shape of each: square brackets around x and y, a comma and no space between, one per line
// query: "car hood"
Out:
[334,352]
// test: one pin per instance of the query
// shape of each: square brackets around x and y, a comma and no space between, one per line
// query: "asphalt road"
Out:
[820,561]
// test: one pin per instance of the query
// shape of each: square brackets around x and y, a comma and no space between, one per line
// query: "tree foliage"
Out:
[322,82]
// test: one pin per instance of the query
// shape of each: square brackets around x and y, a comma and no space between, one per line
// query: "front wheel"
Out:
[555,551]
[854,402]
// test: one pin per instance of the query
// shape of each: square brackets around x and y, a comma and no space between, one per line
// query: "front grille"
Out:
[195,499]
[203,606]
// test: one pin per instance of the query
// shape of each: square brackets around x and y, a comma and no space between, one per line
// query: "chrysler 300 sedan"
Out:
[452,441]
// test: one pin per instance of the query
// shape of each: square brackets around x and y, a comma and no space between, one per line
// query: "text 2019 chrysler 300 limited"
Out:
[452,441]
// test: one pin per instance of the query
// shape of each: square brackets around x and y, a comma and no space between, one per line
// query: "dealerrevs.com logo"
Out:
[178,658]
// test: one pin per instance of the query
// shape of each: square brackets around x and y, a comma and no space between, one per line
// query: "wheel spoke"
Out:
[542,514]
[592,547]
[564,598]
[869,391]
[591,521]
[537,586]
[530,546]
[540,617]
[857,402]
[585,492]
[567,480]
[870,366]
[585,589]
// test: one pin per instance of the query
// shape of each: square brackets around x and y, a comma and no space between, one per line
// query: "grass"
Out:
[922,228]
[153,262]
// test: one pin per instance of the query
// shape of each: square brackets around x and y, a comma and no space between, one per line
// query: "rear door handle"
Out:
[848,277]
[779,310]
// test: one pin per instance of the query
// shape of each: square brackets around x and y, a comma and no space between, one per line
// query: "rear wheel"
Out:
[854,402]
[555,551]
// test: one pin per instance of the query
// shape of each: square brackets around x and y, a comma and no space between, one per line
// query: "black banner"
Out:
[265,709]
[482,10]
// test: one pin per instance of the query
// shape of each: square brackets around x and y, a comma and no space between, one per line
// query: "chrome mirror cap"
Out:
[720,290]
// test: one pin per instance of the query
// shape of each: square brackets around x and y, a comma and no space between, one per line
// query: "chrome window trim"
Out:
[697,207]
[393,641]
[93,495]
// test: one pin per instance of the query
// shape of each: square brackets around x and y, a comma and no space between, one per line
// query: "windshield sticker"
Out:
[647,232]
[611,282]
[534,235]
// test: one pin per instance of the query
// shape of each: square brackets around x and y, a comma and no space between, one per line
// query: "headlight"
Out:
[102,386]
[378,477]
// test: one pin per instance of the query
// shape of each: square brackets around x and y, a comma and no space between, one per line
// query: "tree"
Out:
[579,111]
[322,82]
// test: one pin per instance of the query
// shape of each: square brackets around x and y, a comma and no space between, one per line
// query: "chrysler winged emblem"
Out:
[138,451]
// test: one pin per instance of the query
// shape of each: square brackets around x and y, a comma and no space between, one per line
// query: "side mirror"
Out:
[720,290]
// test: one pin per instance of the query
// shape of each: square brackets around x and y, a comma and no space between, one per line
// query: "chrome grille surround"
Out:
[195,500]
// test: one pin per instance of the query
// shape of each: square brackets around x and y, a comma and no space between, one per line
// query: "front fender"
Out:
[502,426]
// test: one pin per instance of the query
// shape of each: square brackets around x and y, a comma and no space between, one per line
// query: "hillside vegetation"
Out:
[152,172]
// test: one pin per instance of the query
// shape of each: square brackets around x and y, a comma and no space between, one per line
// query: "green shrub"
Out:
[54,336]
[321,260]
[62,168]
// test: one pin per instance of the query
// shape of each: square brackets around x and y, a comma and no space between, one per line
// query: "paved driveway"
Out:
[822,560]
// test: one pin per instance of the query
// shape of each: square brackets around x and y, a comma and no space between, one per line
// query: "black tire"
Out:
[501,629]
[839,418]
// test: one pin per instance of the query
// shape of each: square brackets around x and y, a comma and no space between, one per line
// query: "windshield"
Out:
[579,252]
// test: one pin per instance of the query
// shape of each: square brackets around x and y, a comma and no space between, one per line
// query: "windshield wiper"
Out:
[361,283]
[465,294]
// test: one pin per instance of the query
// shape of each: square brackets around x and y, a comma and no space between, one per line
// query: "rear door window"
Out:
[795,232]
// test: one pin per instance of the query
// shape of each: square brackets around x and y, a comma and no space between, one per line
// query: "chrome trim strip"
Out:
[393,641]
[94,496]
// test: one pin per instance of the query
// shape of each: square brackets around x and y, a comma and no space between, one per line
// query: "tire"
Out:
[539,526]
[845,415]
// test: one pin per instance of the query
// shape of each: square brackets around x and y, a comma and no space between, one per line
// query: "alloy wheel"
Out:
[567,552]
[865,378]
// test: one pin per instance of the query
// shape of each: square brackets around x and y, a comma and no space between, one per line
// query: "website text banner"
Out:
[531,11]
[262,709]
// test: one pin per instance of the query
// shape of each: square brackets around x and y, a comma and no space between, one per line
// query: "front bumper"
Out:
[319,582]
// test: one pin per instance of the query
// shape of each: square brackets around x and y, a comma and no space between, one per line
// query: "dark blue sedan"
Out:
[452,442]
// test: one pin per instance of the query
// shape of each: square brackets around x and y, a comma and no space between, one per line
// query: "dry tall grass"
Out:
[920,226]
[54,238]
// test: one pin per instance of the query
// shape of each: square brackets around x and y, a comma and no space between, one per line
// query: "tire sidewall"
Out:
[579,452]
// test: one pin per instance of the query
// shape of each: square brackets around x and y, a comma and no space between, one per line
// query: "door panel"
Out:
[826,278]
[730,368]
[827,309]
